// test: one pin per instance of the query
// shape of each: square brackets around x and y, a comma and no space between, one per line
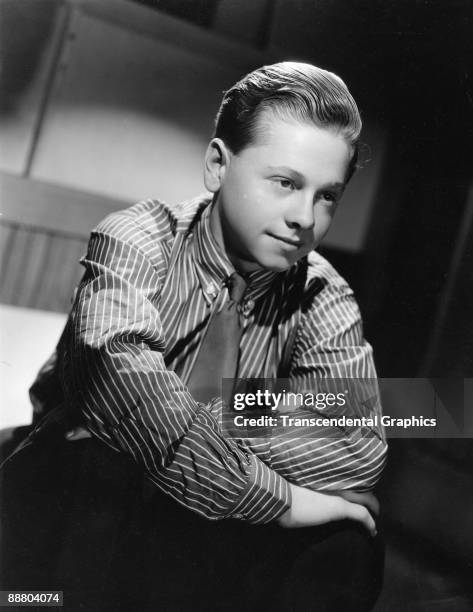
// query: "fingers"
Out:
[366,499]
[78,433]
[361,514]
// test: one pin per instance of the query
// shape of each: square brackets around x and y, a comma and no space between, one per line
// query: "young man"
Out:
[232,276]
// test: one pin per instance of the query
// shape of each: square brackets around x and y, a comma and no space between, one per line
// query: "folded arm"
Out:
[331,354]
[114,371]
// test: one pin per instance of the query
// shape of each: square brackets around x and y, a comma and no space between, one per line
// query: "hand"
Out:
[366,499]
[311,508]
[78,433]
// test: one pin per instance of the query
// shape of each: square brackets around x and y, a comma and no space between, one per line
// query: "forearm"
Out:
[330,464]
[332,447]
[332,357]
[134,404]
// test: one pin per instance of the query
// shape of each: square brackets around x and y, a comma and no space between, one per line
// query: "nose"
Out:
[300,214]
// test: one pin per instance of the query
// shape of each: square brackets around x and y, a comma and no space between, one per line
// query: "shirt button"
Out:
[247,307]
[211,290]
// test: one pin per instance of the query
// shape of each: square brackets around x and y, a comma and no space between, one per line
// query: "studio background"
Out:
[105,102]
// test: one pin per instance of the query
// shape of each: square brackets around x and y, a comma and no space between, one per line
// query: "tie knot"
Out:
[236,287]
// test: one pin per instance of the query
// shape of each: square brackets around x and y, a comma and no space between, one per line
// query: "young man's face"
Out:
[276,198]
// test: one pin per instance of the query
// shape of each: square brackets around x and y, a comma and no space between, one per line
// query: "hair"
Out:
[292,90]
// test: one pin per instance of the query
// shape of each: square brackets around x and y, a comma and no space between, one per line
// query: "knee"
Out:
[340,568]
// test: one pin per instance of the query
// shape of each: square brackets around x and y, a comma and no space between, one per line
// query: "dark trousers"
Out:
[79,517]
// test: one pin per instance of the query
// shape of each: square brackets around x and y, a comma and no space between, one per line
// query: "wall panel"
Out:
[31,38]
[38,269]
[135,123]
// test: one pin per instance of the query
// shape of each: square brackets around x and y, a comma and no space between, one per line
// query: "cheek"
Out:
[250,212]
[323,221]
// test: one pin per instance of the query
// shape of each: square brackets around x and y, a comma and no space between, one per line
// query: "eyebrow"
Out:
[287,170]
[297,175]
[335,186]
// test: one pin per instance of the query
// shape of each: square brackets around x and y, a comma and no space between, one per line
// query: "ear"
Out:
[217,159]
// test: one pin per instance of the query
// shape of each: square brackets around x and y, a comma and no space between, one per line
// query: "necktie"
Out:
[219,351]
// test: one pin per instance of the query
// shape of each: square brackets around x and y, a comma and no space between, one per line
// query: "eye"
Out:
[328,197]
[284,183]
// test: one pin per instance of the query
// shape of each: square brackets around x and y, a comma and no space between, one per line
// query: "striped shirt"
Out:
[154,275]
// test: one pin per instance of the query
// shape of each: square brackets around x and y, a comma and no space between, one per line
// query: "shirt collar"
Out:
[213,265]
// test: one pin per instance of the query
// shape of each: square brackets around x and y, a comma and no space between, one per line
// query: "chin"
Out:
[276,264]
[265,261]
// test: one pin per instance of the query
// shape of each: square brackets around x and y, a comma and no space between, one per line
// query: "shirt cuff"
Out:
[266,498]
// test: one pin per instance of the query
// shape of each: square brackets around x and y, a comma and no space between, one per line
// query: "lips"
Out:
[295,242]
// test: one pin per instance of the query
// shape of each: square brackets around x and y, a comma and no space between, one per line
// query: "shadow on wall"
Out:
[23,47]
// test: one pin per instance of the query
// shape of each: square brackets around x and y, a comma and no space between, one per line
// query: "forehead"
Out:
[302,146]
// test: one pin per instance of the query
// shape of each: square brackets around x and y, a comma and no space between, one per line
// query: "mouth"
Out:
[294,242]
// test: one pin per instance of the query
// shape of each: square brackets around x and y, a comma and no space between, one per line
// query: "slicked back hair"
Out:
[292,91]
